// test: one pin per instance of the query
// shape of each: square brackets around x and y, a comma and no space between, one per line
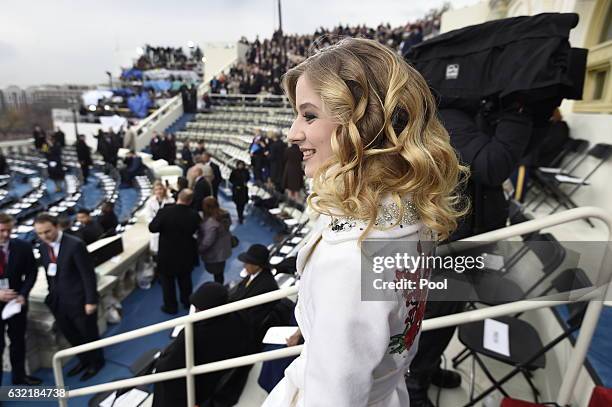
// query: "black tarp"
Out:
[528,57]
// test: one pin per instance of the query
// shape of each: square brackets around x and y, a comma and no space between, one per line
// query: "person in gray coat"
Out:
[215,239]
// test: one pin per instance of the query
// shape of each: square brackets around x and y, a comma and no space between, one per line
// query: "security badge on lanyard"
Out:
[52,267]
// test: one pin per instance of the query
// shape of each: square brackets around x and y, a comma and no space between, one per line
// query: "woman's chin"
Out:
[309,170]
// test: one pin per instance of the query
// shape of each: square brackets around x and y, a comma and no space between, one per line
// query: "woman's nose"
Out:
[295,134]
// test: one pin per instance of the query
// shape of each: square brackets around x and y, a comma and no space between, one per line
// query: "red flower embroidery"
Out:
[415,301]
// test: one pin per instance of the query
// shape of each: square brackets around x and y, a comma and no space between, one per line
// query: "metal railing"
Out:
[576,359]
[257,101]
[16,146]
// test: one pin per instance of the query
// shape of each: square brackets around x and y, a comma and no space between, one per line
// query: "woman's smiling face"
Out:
[312,129]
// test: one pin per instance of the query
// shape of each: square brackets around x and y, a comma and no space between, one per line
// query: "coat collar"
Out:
[338,229]
[341,228]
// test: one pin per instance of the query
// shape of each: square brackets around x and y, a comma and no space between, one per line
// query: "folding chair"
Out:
[495,288]
[601,152]
[570,157]
[526,351]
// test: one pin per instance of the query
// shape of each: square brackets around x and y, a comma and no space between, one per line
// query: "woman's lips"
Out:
[308,153]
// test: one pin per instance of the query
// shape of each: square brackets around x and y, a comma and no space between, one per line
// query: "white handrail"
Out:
[569,380]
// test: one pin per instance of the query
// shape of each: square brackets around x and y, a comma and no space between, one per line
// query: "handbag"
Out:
[235,241]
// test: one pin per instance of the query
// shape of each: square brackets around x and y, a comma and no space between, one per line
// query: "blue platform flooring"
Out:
[599,355]
[142,308]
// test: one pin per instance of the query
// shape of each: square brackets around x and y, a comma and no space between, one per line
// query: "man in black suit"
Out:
[258,281]
[73,293]
[90,230]
[84,156]
[201,189]
[215,339]
[178,253]
[17,277]
[207,159]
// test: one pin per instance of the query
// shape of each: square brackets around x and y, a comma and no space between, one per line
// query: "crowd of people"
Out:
[168,57]
[265,61]
[108,144]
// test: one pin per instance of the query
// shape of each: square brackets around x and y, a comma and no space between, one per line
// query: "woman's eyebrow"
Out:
[307,105]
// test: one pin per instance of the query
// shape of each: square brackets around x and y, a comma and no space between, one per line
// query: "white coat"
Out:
[151,207]
[356,352]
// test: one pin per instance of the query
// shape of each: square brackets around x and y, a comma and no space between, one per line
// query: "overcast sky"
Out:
[60,41]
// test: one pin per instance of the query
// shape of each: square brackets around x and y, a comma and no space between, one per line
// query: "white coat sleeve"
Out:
[349,337]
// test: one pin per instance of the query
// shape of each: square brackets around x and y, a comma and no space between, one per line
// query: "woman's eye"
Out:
[309,116]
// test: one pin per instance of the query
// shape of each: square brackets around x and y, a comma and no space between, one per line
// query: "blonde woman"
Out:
[382,170]
[158,200]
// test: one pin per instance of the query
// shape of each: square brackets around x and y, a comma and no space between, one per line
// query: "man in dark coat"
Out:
[178,252]
[55,168]
[491,145]
[240,190]
[207,159]
[73,292]
[259,280]
[155,146]
[90,230]
[108,149]
[293,176]
[4,167]
[17,276]
[201,189]
[84,156]
[257,152]
[215,339]
[133,168]
[186,156]
[40,137]
[277,162]
[59,137]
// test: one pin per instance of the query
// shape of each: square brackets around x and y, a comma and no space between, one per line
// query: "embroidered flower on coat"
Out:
[415,302]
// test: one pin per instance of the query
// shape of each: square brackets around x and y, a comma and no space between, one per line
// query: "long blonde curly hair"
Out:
[388,139]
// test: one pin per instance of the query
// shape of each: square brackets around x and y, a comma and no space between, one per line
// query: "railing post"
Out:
[579,353]
[189,362]
[59,379]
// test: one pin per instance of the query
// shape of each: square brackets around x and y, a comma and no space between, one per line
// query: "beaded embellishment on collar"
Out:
[388,214]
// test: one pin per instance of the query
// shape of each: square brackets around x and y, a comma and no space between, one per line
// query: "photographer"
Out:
[490,141]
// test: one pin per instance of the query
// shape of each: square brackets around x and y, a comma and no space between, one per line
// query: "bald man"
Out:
[178,254]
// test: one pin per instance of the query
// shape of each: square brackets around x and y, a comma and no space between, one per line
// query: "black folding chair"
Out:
[527,352]
[572,155]
[554,182]
[495,288]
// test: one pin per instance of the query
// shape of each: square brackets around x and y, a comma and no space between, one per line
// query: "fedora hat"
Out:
[257,254]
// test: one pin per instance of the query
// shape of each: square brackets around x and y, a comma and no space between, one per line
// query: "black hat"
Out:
[209,295]
[257,254]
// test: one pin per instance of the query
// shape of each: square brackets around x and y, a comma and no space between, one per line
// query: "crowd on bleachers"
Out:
[169,58]
[266,61]
[159,74]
